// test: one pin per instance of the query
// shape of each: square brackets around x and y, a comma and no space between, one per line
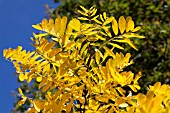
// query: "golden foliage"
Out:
[79,72]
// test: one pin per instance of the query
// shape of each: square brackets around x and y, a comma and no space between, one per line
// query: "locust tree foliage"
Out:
[79,70]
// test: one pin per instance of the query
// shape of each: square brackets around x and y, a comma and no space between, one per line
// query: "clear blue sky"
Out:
[16,18]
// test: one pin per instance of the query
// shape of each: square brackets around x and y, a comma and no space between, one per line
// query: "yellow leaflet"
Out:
[44,24]
[63,25]
[37,26]
[83,13]
[107,31]
[128,19]
[94,12]
[130,26]
[75,24]
[19,48]
[108,51]
[114,26]
[129,35]
[20,91]
[137,78]
[85,26]
[116,45]
[47,86]
[57,24]
[101,18]
[107,21]
[50,25]
[39,79]
[126,40]
[100,37]
[54,52]
[97,21]
[17,66]
[38,105]
[84,47]
[130,43]
[104,15]
[43,82]
[67,35]
[122,24]
[136,29]
[49,46]
[84,9]
[121,91]
[21,102]
[39,35]
[69,45]
[133,88]
[21,77]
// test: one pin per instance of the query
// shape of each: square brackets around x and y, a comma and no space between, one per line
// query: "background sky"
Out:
[16,18]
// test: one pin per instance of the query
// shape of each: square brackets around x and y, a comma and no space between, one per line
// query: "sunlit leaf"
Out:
[21,77]
[75,24]
[122,24]
[21,102]
[114,26]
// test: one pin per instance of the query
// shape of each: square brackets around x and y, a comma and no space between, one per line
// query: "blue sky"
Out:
[16,18]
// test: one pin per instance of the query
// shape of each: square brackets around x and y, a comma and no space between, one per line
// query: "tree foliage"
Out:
[152,57]
[78,68]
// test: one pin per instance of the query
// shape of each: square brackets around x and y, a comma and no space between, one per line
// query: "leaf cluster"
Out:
[78,70]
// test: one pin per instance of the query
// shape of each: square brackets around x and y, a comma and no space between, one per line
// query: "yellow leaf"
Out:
[97,57]
[114,26]
[129,35]
[57,24]
[94,12]
[84,9]
[21,77]
[128,18]
[54,52]
[44,24]
[43,82]
[22,101]
[39,79]
[19,48]
[126,40]
[130,25]
[96,20]
[83,13]
[39,35]
[47,86]
[133,88]
[136,29]
[109,52]
[75,24]
[49,46]
[130,43]
[63,25]
[38,105]
[37,26]
[101,18]
[70,45]
[20,91]
[104,15]
[31,110]
[122,24]
[84,47]
[116,45]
